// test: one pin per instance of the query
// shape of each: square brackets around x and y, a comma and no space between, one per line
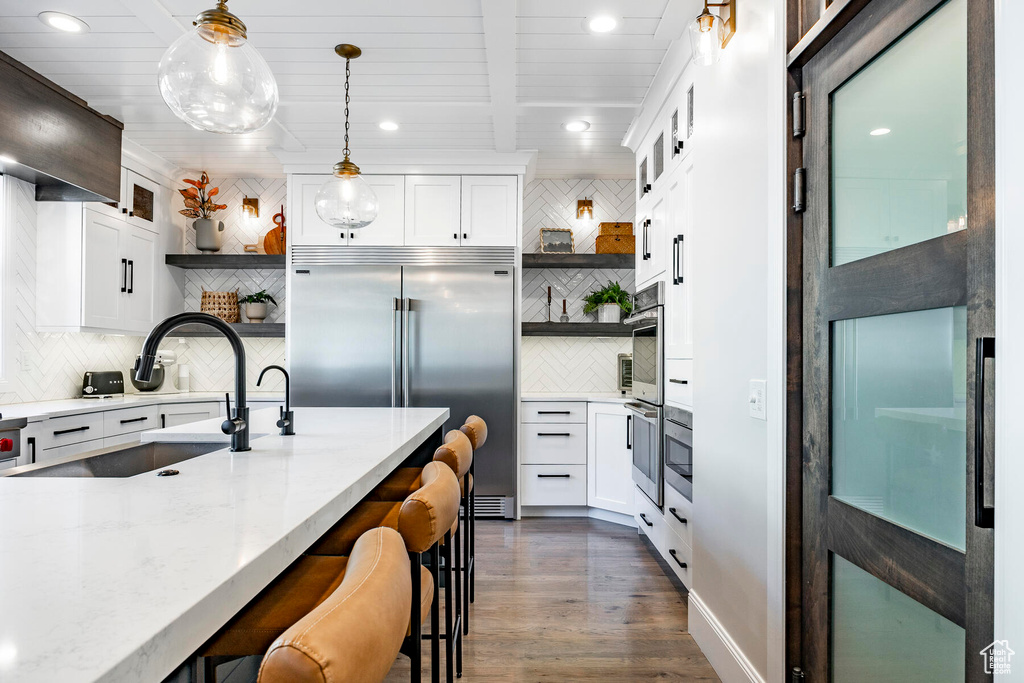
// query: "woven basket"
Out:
[616,244]
[616,229]
[224,305]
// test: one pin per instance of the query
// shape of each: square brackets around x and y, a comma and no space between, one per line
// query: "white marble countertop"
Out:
[122,579]
[41,410]
[591,397]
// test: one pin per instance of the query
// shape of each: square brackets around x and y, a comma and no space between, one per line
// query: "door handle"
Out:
[639,410]
[672,552]
[629,428]
[679,381]
[553,434]
[675,260]
[124,275]
[137,419]
[984,515]
[682,259]
[31,441]
[646,521]
[59,432]
[396,306]
[675,514]
[131,272]
[406,307]
[163,420]
[554,476]
[554,412]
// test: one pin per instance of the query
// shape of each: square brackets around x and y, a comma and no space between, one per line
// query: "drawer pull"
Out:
[554,412]
[70,431]
[135,419]
[676,515]
[682,565]
[646,521]
[554,476]
[679,381]
[553,434]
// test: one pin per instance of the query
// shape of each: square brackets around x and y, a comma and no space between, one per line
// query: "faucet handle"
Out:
[231,425]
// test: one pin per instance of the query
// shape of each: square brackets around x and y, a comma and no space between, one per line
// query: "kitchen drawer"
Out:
[649,519]
[676,507]
[130,437]
[70,449]
[554,444]
[554,484]
[8,463]
[61,431]
[128,420]
[555,411]
[678,556]
[679,382]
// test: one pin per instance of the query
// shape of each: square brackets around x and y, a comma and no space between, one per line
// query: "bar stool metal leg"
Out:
[466,534]
[449,634]
[457,573]
[415,621]
[435,619]
[472,538]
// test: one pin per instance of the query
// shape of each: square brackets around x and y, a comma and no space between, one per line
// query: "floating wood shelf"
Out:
[576,330]
[260,261]
[243,330]
[616,261]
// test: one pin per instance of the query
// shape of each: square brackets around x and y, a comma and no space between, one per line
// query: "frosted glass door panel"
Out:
[899,142]
[880,634]
[899,438]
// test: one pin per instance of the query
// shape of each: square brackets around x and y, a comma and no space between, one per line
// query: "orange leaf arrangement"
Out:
[198,201]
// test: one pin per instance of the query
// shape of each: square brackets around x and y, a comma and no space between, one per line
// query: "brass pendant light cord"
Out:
[348,73]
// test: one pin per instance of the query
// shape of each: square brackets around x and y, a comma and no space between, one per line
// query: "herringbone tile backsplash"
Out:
[571,364]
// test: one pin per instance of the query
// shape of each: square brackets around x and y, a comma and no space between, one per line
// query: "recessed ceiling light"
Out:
[576,126]
[63,22]
[4,159]
[880,131]
[388,125]
[601,24]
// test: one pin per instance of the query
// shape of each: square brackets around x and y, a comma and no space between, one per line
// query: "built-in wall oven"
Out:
[648,390]
[678,450]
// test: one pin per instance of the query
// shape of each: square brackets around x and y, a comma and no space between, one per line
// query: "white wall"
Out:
[739,335]
[1009,598]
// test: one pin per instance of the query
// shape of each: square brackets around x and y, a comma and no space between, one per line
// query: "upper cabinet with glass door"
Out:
[899,144]
[139,202]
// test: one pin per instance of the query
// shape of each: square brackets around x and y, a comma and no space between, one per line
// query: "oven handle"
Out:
[640,410]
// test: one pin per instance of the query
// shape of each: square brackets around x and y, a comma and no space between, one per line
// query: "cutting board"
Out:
[274,242]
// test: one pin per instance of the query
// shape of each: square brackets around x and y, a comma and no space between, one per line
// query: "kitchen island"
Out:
[123,579]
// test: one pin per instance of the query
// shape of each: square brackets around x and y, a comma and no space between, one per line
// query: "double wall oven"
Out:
[648,321]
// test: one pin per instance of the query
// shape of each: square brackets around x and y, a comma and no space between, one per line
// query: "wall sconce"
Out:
[710,33]
[584,208]
[250,208]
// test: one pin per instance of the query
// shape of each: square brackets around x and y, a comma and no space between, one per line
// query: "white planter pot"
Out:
[255,312]
[609,313]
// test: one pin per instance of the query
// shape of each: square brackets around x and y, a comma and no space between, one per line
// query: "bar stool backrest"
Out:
[457,453]
[476,429]
[356,633]
[429,512]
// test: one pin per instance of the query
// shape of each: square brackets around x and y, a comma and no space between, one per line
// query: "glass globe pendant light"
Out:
[214,79]
[347,201]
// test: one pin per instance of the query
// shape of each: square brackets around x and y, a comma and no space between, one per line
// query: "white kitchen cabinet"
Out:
[7,463]
[679,276]
[679,382]
[554,444]
[128,420]
[122,439]
[490,211]
[433,211]
[140,294]
[554,485]
[104,272]
[651,261]
[305,226]
[71,449]
[141,200]
[663,535]
[610,458]
[175,414]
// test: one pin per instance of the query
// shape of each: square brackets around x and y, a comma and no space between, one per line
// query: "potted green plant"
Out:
[609,302]
[256,305]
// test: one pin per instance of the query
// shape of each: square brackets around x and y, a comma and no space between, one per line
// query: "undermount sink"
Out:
[118,461]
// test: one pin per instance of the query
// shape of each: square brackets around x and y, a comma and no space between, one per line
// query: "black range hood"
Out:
[52,138]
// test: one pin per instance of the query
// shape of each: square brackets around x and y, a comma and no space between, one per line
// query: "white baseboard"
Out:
[731,665]
[577,511]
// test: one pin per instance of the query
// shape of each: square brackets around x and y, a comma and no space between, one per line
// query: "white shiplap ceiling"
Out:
[468,76]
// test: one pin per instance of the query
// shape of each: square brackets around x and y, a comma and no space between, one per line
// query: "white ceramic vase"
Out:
[256,313]
[609,313]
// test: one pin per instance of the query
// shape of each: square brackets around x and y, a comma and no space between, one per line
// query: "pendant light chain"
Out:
[348,73]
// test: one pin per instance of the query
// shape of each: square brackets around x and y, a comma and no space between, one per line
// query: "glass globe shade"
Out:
[706,39]
[214,79]
[347,201]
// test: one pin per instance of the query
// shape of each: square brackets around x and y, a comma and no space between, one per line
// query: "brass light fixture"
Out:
[710,33]
[584,207]
[251,207]
[214,79]
[347,201]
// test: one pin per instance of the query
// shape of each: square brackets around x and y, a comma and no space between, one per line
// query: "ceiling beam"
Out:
[499,18]
[160,21]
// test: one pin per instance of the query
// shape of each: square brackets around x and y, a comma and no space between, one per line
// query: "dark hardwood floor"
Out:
[567,600]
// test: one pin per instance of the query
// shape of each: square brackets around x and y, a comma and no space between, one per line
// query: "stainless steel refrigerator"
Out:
[400,335]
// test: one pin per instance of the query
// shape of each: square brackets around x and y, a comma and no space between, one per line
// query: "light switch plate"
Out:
[758,396]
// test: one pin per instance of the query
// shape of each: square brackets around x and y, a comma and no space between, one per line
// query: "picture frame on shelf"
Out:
[557,241]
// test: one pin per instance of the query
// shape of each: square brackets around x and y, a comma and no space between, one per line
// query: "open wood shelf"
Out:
[243,330]
[576,330]
[261,261]
[616,261]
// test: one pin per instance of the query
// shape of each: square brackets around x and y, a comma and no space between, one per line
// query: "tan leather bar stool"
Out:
[426,518]
[476,429]
[355,634]
[315,581]
[457,453]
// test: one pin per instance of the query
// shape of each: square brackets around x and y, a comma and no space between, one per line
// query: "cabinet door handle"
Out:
[124,275]
[131,275]
[455,236]
[679,381]
[465,235]
[554,412]
[672,552]
[682,259]
[134,419]
[553,434]
[131,214]
[31,441]
[984,515]
[553,476]
[629,428]
[646,521]
[675,514]
[124,210]
[675,260]
[59,432]
[351,235]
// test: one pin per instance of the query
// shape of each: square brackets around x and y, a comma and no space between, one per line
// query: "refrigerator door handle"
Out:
[396,306]
[406,307]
